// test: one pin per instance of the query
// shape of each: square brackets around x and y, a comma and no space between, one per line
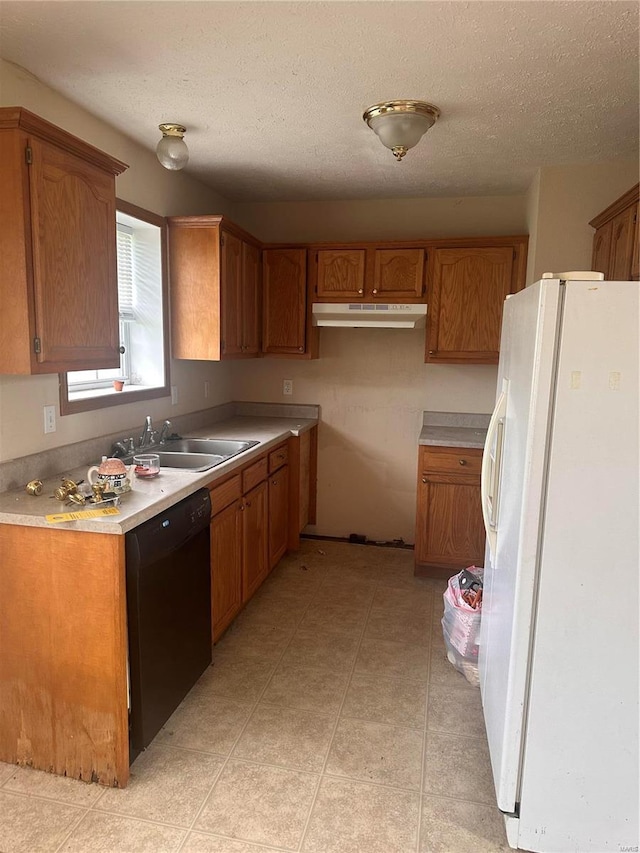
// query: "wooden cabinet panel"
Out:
[340,273]
[635,252]
[468,287]
[231,293]
[58,282]
[622,234]
[226,567]
[398,274]
[449,527]
[251,299]
[254,474]
[255,559]
[284,283]
[602,249]
[224,494]
[278,458]
[278,514]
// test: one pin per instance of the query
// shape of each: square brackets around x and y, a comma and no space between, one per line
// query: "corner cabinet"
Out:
[58,282]
[449,527]
[615,243]
[467,287]
[215,289]
[287,329]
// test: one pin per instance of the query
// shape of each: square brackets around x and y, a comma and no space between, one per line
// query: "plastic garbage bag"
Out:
[461,622]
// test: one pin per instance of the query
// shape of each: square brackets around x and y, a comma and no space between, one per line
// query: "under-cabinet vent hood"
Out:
[367,315]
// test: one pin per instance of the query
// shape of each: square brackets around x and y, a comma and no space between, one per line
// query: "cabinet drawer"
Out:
[224,494]
[278,458]
[254,474]
[451,460]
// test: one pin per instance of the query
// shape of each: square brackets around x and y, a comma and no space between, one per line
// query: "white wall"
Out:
[150,186]
[373,385]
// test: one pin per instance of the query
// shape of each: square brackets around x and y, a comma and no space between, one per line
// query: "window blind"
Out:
[125,272]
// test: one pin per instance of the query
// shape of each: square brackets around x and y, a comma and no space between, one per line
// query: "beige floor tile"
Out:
[205,722]
[348,592]
[283,612]
[6,771]
[443,673]
[402,626]
[29,825]
[266,642]
[390,659]
[450,826]
[327,617]
[418,600]
[106,833]
[267,805]
[458,766]
[374,752]
[331,651]
[307,688]
[166,785]
[200,842]
[25,780]
[287,737]
[241,678]
[455,709]
[386,700]
[353,817]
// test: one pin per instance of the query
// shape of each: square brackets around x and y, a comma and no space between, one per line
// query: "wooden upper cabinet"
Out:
[398,274]
[58,282]
[615,243]
[215,289]
[340,273]
[467,289]
[286,322]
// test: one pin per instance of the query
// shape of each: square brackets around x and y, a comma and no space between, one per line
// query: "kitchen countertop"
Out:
[150,497]
[454,429]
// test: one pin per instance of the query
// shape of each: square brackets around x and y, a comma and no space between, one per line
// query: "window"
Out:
[142,305]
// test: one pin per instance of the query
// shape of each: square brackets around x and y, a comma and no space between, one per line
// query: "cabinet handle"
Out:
[300,349]
[241,507]
[462,461]
[375,290]
[248,503]
[424,479]
[274,482]
[361,290]
[432,352]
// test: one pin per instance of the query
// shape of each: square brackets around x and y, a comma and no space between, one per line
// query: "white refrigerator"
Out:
[558,651]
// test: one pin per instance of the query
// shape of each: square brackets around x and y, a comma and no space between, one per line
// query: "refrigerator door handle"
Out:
[491,464]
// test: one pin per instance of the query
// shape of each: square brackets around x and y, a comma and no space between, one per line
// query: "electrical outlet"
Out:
[287,387]
[49,418]
[174,395]
[206,387]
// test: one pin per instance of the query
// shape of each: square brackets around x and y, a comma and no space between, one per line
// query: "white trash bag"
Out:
[461,622]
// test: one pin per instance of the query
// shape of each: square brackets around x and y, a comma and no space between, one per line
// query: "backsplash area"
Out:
[16,472]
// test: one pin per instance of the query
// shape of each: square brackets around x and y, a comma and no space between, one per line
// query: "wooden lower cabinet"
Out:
[278,514]
[449,529]
[255,559]
[226,567]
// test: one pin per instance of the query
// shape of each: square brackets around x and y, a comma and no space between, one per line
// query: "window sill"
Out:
[89,399]
[88,393]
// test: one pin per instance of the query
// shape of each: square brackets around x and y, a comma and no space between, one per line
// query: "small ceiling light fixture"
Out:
[172,150]
[401,124]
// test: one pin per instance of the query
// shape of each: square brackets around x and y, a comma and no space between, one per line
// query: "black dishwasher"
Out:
[168,611]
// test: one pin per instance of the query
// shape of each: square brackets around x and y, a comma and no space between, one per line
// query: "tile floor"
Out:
[330,721]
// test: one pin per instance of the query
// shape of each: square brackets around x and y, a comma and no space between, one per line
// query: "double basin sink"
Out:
[197,454]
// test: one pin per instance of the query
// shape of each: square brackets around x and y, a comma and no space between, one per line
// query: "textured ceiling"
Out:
[272,93]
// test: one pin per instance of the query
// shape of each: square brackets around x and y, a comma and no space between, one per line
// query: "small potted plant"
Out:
[118,384]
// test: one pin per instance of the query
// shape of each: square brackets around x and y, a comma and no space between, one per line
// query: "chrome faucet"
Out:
[147,436]
[165,432]
[122,448]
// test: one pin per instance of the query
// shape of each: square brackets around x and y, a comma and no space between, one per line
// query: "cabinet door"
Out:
[635,260]
[250,299]
[449,530]
[278,514]
[340,273]
[73,227]
[467,292]
[398,274]
[622,235]
[602,249]
[231,293]
[284,283]
[255,559]
[226,567]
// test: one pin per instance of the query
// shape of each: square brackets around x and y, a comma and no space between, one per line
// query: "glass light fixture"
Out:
[172,150]
[401,124]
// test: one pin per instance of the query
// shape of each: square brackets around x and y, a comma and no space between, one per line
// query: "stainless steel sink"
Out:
[189,461]
[224,447]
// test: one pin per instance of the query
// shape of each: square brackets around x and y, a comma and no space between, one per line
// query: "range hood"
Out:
[367,315]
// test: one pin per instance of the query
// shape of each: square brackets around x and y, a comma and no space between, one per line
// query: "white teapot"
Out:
[112,474]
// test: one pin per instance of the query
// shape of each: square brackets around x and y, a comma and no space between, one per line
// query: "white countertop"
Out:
[150,497]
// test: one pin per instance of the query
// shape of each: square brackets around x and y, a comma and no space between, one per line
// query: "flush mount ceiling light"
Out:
[401,124]
[172,150]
